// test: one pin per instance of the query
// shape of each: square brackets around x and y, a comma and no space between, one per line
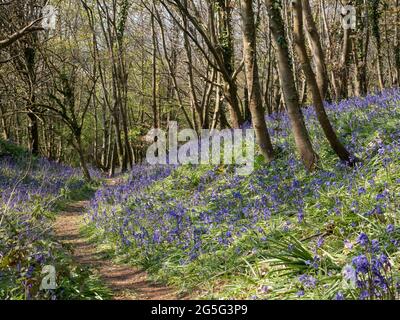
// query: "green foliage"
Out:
[12,150]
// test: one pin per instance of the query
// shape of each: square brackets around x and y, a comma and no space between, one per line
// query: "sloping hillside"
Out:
[279,233]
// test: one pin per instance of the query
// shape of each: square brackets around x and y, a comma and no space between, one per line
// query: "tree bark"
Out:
[253,82]
[316,49]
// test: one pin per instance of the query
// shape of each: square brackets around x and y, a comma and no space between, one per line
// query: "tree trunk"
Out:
[82,159]
[323,119]
[33,133]
[302,139]
[316,49]
[397,43]
[228,57]
[156,125]
[361,48]
[253,82]
[231,97]
[6,134]
[375,17]
[342,88]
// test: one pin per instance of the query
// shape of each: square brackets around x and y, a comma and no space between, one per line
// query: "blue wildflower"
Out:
[361,191]
[361,264]
[339,296]
[300,293]
[390,228]
[308,281]
[300,216]
[349,274]
[363,239]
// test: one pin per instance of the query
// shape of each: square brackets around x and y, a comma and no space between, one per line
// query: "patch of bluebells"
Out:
[27,189]
[308,281]
[202,215]
[371,272]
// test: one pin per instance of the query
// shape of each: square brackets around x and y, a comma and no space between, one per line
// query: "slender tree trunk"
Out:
[397,43]
[361,48]
[30,55]
[231,97]
[228,57]
[253,82]
[217,103]
[375,17]
[4,125]
[33,133]
[82,160]
[329,44]
[156,125]
[316,49]
[196,109]
[113,156]
[342,88]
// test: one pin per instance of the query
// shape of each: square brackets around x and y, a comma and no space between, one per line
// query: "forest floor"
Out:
[125,282]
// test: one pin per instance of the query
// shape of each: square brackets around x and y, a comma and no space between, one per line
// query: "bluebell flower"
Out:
[349,274]
[320,242]
[308,281]
[363,239]
[375,245]
[300,216]
[380,196]
[361,264]
[384,260]
[390,228]
[348,244]
[300,293]
[364,295]
[361,191]
[339,296]
[265,289]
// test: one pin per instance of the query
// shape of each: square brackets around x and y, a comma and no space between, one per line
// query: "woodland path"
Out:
[125,282]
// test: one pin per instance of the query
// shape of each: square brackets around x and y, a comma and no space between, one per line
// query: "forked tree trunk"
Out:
[323,119]
[302,139]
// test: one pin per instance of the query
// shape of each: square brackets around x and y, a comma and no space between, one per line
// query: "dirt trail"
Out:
[126,282]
